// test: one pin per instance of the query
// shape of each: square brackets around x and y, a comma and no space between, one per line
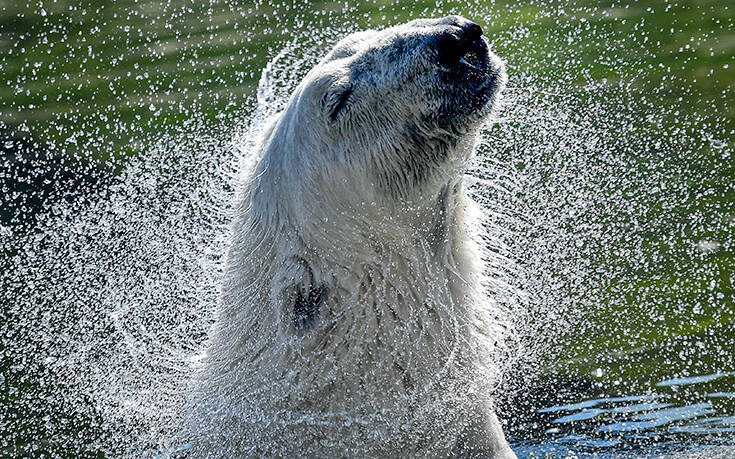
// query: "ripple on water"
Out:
[691,380]
[659,418]
[669,422]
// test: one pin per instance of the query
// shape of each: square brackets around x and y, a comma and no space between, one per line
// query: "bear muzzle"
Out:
[463,50]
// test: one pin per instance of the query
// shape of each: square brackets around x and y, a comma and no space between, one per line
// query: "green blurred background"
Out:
[125,67]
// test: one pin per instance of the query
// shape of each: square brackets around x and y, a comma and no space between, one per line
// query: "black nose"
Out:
[470,32]
[452,45]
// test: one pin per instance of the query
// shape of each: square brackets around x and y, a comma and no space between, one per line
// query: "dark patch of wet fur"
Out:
[307,302]
[306,307]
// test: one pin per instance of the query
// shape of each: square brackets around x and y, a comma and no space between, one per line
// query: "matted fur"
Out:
[354,318]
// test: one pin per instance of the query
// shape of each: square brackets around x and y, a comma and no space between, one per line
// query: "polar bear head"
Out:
[385,114]
[433,74]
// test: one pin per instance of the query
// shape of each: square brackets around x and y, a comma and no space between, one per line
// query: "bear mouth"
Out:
[473,61]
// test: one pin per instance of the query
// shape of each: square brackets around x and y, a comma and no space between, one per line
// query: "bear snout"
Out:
[463,48]
[469,33]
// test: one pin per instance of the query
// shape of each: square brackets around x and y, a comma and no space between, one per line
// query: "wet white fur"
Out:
[401,353]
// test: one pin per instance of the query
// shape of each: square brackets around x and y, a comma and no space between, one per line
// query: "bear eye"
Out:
[336,100]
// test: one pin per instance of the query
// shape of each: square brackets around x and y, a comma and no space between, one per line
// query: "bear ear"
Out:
[300,296]
[337,100]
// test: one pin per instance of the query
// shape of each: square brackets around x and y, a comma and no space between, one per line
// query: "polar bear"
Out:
[353,319]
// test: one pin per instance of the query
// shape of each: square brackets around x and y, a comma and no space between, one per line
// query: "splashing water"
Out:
[607,180]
